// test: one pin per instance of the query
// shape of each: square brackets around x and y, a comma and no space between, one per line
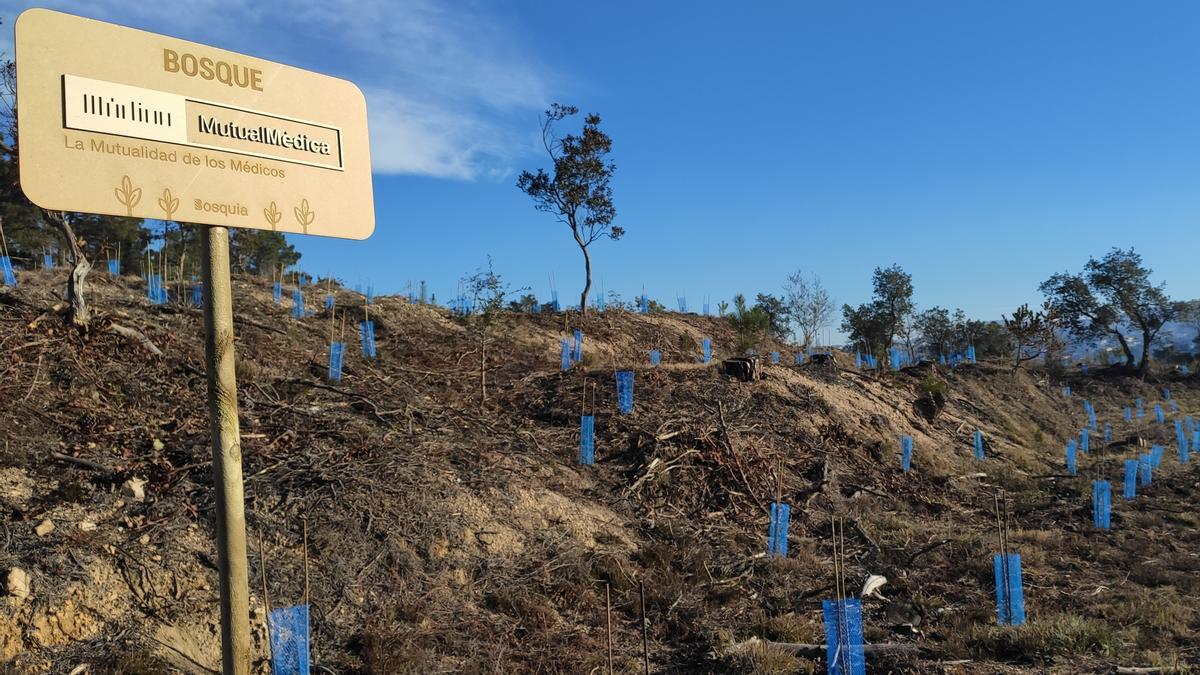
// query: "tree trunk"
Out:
[587,286]
[80,316]
[1147,336]
[482,366]
[1129,359]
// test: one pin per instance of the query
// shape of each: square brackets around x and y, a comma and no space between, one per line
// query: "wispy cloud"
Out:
[450,90]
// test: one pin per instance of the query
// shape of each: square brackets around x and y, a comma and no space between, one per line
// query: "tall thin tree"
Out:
[578,193]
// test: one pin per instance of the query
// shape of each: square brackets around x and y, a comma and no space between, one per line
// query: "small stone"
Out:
[144,539]
[134,488]
[45,528]
[18,583]
[119,504]
[156,558]
[86,526]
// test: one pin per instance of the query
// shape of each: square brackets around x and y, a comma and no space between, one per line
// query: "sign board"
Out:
[123,122]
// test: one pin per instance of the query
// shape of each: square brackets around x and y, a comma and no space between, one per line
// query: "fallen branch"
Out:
[646,475]
[651,473]
[733,450]
[379,414]
[86,463]
[58,308]
[926,549]
[263,326]
[1163,509]
[192,311]
[136,336]
[869,490]
[817,651]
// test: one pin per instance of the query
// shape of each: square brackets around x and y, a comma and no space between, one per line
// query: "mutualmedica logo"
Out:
[131,110]
[263,134]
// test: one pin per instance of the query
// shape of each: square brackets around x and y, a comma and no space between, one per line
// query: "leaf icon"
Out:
[128,195]
[168,203]
[272,215]
[304,215]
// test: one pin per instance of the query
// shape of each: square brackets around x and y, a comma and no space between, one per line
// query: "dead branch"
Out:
[136,336]
[818,651]
[733,451]
[86,463]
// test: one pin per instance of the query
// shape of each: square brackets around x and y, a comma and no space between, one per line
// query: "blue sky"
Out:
[982,146]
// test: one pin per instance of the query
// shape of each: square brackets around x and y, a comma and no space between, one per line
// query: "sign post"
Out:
[227,451]
[123,122]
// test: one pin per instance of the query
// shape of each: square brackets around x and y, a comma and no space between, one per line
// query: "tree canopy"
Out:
[877,323]
[1112,297]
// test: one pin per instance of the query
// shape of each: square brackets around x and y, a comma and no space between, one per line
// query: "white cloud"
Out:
[450,91]
[409,136]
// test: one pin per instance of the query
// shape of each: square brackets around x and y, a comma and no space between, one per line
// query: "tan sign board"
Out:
[128,123]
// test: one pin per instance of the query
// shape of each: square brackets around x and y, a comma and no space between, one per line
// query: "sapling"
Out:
[488,293]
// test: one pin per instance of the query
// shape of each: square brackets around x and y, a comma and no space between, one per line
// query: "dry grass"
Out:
[1052,636]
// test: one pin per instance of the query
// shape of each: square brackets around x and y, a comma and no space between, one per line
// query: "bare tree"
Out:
[808,305]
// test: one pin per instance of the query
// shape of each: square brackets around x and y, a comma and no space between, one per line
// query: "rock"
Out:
[18,583]
[44,528]
[144,539]
[134,488]
[86,526]
[903,615]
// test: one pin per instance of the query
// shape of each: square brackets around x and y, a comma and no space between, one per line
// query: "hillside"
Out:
[450,534]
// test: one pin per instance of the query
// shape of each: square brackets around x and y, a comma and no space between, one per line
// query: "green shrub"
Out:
[934,387]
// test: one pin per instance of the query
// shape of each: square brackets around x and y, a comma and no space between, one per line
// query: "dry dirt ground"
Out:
[453,534]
